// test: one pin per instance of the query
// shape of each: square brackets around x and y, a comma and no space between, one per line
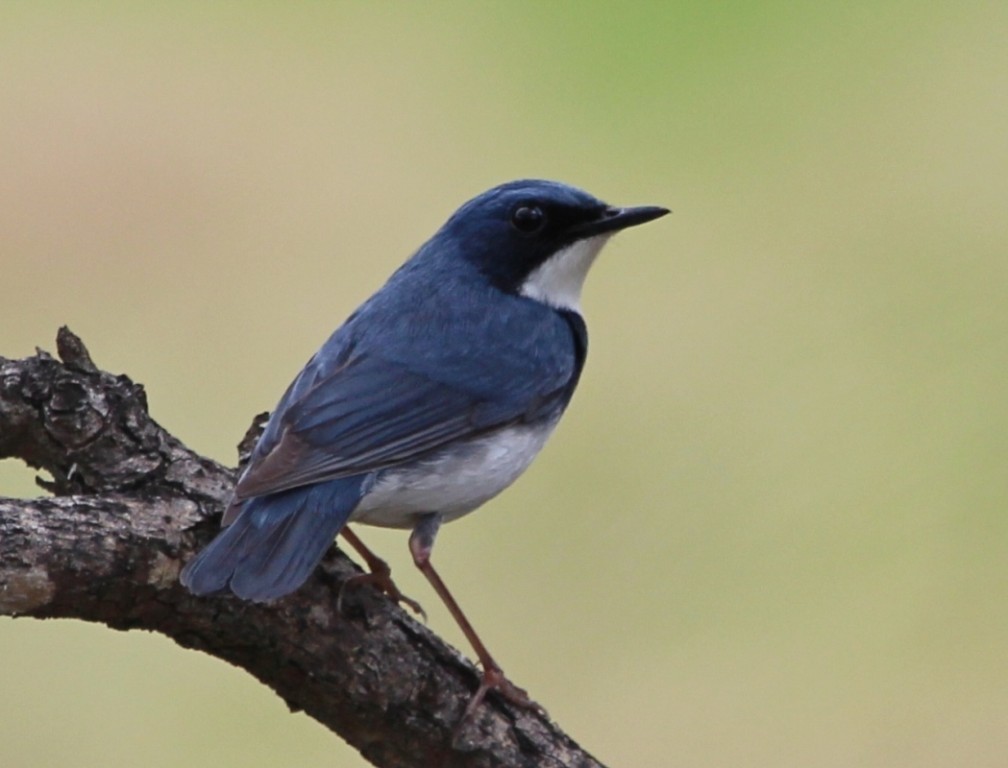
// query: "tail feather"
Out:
[274,543]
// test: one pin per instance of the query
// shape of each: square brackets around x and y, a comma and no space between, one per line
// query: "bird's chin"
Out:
[558,280]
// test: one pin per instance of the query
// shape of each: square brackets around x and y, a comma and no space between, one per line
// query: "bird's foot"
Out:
[494,680]
[381,578]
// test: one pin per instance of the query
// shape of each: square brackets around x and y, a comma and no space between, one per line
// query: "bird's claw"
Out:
[381,580]
[494,680]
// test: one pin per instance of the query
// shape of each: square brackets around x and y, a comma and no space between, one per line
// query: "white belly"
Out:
[452,482]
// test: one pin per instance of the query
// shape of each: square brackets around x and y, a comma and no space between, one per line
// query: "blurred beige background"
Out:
[771,530]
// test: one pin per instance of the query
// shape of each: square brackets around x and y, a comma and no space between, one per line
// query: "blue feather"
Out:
[275,542]
[379,393]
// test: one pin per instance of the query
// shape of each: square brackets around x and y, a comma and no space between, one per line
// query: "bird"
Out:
[430,399]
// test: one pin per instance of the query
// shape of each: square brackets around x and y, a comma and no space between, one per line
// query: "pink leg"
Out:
[380,575]
[421,543]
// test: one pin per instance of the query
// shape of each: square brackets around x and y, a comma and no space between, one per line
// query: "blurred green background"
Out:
[771,530]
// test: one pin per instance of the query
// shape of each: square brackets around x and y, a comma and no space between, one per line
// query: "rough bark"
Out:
[131,503]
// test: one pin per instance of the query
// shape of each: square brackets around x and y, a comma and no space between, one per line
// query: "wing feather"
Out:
[378,393]
[370,415]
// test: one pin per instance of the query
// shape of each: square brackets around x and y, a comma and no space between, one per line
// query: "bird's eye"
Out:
[528,219]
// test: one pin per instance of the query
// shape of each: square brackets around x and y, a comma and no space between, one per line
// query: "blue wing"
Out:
[376,397]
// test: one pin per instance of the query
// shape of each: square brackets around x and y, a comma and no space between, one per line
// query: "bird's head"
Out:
[538,238]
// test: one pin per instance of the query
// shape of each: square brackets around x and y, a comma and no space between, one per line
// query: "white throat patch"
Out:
[559,279]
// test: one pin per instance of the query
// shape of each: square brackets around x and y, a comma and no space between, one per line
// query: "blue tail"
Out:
[275,542]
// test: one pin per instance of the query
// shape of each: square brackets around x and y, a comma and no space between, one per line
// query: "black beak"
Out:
[615,219]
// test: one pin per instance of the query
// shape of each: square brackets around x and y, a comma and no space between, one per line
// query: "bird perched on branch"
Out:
[432,398]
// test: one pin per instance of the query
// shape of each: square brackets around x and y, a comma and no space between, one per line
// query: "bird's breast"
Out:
[452,481]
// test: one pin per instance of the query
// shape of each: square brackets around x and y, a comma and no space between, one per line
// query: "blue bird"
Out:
[432,398]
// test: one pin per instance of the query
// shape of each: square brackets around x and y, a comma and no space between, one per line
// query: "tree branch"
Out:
[132,504]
